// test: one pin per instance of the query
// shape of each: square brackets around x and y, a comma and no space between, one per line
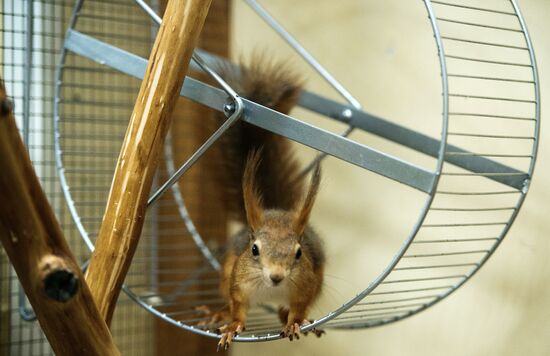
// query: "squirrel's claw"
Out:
[291,331]
[228,332]
[317,332]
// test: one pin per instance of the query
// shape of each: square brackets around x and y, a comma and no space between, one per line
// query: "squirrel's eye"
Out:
[255,250]
[298,253]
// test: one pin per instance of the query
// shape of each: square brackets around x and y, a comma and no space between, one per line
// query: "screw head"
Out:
[228,109]
[347,114]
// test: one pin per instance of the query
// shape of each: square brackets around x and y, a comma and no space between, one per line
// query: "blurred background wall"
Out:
[383,53]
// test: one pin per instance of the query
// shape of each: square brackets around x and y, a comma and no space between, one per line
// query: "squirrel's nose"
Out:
[276,278]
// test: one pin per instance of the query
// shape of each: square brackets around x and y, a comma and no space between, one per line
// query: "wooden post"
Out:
[46,268]
[192,124]
[202,189]
[123,220]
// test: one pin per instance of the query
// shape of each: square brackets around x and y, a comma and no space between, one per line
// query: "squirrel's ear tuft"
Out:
[252,198]
[302,216]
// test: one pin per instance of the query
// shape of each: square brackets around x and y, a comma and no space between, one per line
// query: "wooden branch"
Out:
[119,233]
[46,268]
[192,124]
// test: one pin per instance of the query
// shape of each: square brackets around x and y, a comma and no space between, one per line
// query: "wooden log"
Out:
[123,220]
[41,257]
[202,189]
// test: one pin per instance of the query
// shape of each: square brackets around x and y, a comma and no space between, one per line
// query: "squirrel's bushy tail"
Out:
[276,86]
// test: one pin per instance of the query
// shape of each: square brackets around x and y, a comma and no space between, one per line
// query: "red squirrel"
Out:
[277,258]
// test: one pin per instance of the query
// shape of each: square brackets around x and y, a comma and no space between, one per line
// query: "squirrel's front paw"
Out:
[317,332]
[292,330]
[228,332]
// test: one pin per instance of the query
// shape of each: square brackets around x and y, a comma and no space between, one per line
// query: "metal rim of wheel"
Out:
[425,269]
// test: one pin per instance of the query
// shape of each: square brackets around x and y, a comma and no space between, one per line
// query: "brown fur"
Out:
[265,182]
[278,237]
[252,198]
[303,215]
[275,86]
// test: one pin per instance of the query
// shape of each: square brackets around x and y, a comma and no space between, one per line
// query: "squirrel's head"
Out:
[275,246]
[275,235]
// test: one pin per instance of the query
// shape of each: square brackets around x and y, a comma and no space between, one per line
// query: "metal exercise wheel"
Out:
[472,196]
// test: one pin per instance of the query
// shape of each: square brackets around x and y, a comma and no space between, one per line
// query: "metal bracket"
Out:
[255,114]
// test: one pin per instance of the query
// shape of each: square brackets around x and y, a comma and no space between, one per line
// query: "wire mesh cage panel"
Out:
[29,57]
